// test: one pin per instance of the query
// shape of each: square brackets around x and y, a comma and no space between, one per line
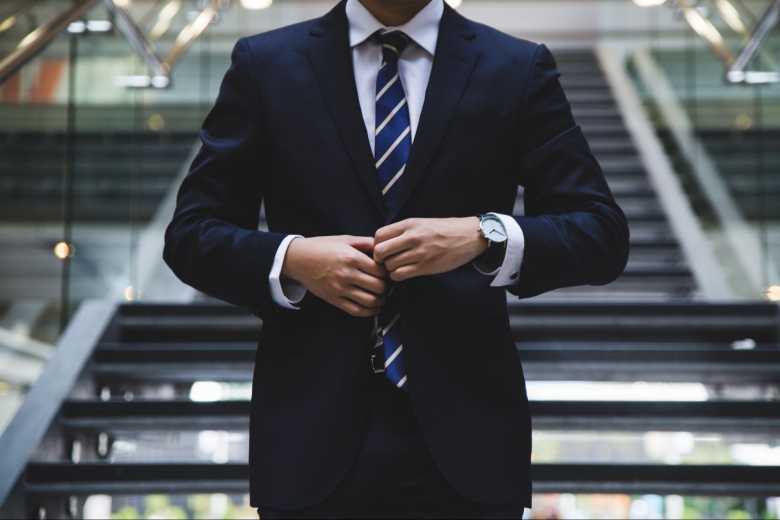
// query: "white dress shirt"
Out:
[414,69]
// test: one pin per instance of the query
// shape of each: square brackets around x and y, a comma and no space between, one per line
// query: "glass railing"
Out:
[94,136]
[719,121]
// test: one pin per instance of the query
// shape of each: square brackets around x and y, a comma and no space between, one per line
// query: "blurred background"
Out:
[125,393]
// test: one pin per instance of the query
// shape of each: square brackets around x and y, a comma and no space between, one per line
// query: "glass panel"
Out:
[134,144]
[723,137]
[34,181]
[86,162]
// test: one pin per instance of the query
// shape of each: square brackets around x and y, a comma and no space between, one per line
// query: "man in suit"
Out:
[387,140]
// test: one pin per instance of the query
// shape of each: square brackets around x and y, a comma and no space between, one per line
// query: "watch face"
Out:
[493,230]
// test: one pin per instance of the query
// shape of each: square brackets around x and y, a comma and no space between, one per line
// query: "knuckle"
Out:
[349,259]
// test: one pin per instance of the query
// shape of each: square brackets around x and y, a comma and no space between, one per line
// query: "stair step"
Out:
[551,359]
[710,416]
[51,478]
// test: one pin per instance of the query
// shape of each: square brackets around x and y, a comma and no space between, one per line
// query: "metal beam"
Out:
[26,430]
[35,42]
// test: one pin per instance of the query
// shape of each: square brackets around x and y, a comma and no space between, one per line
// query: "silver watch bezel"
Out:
[492,216]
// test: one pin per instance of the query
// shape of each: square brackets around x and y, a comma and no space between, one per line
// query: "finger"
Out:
[405,272]
[410,256]
[391,230]
[392,246]
[363,298]
[364,244]
[354,309]
[369,283]
[369,266]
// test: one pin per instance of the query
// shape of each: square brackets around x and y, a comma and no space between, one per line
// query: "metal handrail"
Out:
[160,72]
[35,42]
[735,65]
[160,68]
[736,72]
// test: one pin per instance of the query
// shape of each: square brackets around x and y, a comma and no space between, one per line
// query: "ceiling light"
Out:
[256,4]
[731,16]
[7,23]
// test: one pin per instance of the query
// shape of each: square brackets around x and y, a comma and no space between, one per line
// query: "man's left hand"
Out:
[424,246]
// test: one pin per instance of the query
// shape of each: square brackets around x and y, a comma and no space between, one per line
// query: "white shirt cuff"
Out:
[507,273]
[284,291]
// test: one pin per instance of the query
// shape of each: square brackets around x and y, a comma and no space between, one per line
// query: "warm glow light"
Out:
[703,27]
[744,122]
[62,250]
[164,19]
[730,15]
[773,293]
[7,23]
[27,40]
[256,4]
[196,27]
[129,293]
[156,122]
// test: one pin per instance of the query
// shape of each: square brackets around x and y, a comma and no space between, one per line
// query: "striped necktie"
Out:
[392,142]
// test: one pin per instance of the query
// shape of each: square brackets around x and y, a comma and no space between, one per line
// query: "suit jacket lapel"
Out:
[331,57]
[453,64]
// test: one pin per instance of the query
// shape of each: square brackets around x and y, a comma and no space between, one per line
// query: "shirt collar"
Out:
[423,28]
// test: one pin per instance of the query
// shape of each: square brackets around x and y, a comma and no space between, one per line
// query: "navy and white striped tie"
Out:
[392,143]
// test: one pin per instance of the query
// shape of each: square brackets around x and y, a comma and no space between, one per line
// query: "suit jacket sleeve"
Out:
[212,242]
[575,233]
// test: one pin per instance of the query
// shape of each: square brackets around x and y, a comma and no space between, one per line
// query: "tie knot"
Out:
[393,43]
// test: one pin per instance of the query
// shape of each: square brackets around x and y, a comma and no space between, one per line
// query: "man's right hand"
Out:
[340,270]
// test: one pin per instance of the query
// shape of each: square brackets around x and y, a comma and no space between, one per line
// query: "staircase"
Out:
[749,161]
[153,398]
[656,267]
[117,176]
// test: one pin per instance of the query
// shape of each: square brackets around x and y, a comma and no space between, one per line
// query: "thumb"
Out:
[364,244]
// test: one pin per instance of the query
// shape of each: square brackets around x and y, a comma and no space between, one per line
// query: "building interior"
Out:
[124,393]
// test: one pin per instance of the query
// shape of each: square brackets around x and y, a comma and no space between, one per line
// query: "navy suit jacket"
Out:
[286,129]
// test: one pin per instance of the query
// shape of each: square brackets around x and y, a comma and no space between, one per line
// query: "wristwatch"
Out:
[491,227]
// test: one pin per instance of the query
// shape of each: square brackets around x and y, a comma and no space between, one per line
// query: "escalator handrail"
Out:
[35,42]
